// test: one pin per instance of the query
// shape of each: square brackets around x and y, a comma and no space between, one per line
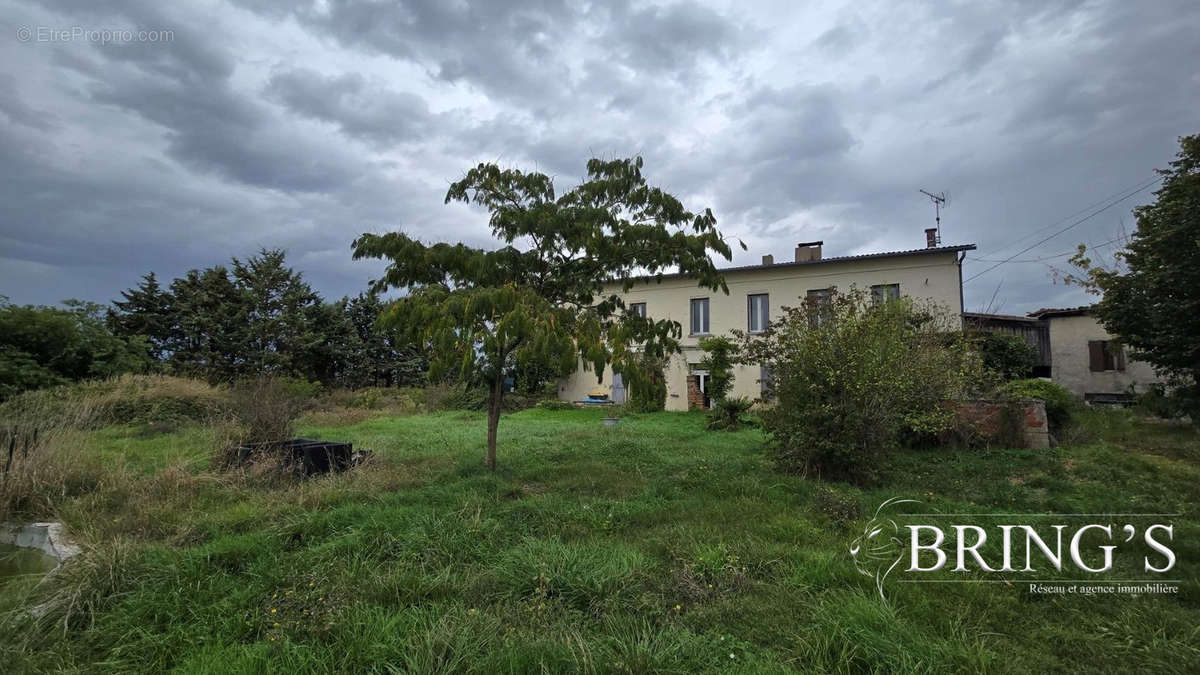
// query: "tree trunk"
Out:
[497,394]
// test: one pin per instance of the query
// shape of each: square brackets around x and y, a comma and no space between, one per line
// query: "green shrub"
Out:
[1166,401]
[729,413]
[554,404]
[1060,403]
[1007,355]
[851,376]
[263,413]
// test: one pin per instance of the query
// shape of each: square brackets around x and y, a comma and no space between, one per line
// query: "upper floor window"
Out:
[881,293]
[1105,355]
[757,313]
[638,308]
[820,301]
[699,316]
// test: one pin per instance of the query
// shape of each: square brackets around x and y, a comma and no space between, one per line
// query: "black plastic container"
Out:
[307,455]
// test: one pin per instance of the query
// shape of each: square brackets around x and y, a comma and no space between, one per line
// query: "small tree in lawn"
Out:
[720,355]
[483,311]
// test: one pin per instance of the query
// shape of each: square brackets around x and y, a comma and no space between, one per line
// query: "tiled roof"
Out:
[845,258]
[1001,317]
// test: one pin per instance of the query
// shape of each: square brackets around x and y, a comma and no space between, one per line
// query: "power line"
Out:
[1043,258]
[1116,195]
[1089,216]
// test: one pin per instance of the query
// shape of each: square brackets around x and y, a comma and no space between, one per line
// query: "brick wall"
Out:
[1019,423]
[695,397]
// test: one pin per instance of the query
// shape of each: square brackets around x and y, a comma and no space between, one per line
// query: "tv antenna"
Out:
[939,201]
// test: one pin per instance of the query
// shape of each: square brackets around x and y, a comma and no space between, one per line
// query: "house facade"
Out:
[1086,359]
[756,294]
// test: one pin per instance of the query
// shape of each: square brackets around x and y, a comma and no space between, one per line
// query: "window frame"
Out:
[881,293]
[765,318]
[638,308]
[1105,356]
[705,325]
[822,298]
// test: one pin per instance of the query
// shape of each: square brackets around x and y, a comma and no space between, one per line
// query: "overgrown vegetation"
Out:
[1061,405]
[851,376]
[1006,355]
[655,546]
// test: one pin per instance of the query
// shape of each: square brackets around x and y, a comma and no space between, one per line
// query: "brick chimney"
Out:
[931,237]
[768,260]
[808,250]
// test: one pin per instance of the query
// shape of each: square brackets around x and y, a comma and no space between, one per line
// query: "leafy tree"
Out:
[485,311]
[647,381]
[46,346]
[720,353]
[726,412]
[1151,297]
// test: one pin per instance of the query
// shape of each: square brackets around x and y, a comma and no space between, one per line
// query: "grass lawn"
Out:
[655,546]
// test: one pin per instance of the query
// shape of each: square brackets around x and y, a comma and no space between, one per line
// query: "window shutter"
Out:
[1096,355]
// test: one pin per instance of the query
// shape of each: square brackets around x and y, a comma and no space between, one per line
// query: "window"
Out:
[699,316]
[766,382]
[820,300]
[1105,355]
[757,313]
[882,293]
[638,308]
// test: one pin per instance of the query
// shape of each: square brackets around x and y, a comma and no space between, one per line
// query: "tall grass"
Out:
[656,546]
[47,431]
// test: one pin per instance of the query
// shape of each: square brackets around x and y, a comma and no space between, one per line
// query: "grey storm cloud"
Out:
[302,125]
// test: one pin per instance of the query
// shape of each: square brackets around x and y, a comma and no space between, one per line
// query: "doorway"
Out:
[618,388]
[702,379]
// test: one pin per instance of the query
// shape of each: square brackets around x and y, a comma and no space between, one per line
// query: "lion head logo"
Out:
[879,548]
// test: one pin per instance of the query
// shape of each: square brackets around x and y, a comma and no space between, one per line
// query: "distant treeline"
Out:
[254,317]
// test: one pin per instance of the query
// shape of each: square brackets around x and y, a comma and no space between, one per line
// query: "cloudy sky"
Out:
[287,124]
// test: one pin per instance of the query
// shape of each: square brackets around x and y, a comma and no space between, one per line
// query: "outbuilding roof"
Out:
[1049,312]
